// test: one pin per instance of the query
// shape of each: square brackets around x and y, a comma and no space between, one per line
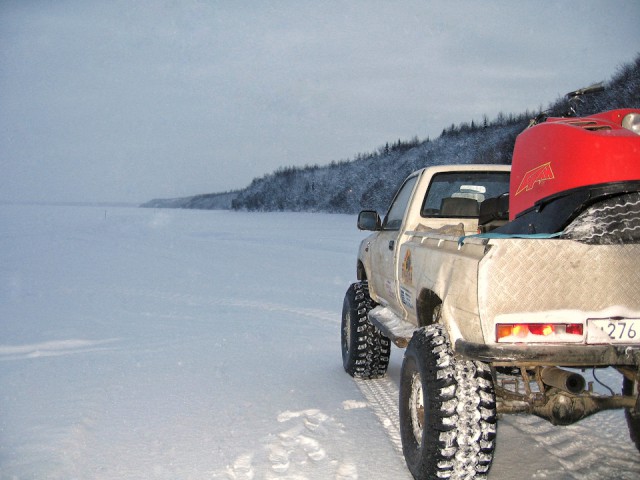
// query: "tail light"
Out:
[539,332]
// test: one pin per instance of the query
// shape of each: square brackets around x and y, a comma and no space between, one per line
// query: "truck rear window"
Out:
[459,194]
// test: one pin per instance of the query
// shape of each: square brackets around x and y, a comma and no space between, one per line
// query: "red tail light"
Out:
[539,332]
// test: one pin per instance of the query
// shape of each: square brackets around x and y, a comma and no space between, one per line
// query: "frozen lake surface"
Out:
[176,344]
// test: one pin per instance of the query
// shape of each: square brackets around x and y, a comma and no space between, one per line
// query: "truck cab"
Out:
[440,200]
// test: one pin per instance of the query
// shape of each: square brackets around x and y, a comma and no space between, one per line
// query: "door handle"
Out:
[392,243]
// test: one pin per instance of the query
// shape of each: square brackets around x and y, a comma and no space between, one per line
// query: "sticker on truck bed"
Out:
[407,269]
[406,297]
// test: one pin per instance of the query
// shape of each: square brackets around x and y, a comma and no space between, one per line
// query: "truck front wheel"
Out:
[447,410]
[365,350]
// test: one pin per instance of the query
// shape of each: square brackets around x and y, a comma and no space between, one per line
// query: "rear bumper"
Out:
[557,355]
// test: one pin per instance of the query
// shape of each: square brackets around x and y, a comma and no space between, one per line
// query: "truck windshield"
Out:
[459,194]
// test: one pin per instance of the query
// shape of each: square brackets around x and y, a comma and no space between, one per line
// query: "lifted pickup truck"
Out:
[502,298]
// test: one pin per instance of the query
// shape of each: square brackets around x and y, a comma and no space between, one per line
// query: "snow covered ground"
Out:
[175,344]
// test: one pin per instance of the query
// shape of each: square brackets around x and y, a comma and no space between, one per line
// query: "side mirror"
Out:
[369,220]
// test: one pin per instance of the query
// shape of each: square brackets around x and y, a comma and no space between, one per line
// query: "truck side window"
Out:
[394,217]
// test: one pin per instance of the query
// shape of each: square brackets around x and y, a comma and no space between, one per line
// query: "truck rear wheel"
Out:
[447,410]
[365,350]
[633,418]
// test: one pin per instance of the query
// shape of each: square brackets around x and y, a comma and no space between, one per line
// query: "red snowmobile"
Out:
[563,165]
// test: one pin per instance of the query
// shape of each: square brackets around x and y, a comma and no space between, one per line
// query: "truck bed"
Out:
[485,281]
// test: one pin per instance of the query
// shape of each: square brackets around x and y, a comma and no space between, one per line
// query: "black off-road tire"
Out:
[447,410]
[612,221]
[365,350]
[633,418]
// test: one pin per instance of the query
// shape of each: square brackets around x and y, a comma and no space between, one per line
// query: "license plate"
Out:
[609,330]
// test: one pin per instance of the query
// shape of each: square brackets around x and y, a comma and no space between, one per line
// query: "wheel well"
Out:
[425,307]
[361,272]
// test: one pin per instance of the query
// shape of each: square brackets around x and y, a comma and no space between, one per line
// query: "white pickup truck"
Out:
[503,320]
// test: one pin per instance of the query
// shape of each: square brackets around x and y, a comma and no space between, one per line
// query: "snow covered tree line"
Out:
[369,180]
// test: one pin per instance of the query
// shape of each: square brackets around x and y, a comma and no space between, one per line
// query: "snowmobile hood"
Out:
[563,154]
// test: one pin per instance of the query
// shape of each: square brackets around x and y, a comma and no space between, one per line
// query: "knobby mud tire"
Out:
[447,410]
[365,350]
[633,418]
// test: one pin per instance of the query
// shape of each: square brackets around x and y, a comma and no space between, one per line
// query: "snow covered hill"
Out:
[370,180]
[165,344]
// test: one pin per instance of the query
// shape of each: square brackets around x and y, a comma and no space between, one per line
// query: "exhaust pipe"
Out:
[568,381]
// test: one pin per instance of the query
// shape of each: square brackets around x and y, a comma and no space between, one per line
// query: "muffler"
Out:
[564,380]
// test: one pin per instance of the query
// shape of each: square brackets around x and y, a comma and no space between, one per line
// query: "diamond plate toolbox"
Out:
[537,275]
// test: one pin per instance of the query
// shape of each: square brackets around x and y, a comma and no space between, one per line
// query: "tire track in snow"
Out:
[584,450]
[382,396]
[54,348]
[193,300]
[328,316]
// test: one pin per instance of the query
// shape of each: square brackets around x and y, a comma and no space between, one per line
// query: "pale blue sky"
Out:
[128,101]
